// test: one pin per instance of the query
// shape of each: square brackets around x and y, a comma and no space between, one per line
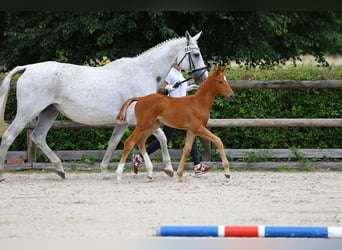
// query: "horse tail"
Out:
[4,90]
[121,117]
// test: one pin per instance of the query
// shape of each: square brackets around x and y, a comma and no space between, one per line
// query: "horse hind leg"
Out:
[9,136]
[159,134]
[112,144]
[45,121]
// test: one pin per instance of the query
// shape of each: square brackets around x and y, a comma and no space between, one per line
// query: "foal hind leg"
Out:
[128,146]
[114,140]
[45,121]
[141,145]
[9,136]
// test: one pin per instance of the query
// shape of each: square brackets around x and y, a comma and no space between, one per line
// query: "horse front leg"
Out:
[160,135]
[190,137]
[114,140]
[225,162]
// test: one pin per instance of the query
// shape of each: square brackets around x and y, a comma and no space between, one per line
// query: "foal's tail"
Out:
[4,89]
[121,117]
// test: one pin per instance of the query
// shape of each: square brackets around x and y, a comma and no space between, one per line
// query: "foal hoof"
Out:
[169,172]
[181,177]
[61,174]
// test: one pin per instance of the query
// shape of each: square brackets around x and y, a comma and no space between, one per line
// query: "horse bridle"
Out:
[188,51]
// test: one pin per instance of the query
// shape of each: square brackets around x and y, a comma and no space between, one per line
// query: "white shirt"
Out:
[173,77]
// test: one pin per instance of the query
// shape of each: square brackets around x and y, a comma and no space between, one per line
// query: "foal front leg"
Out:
[190,137]
[206,134]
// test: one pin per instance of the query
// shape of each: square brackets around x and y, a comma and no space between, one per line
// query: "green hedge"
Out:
[248,103]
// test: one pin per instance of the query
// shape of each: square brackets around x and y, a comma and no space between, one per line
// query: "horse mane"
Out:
[159,45]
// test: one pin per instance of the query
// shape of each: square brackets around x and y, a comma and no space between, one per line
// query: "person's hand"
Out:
[169,88]
[166,90]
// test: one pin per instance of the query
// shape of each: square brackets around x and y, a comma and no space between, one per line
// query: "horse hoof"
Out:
[227,176]
[61,174]
[2,179]
[150,177]
[106,177]
[118,179]
[169,172]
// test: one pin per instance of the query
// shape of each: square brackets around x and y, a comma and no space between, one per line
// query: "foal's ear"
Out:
[222,68]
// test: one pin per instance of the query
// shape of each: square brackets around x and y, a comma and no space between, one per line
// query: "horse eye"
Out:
[220,82]
[196,54]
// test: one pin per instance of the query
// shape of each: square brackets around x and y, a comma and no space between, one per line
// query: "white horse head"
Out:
[192,60]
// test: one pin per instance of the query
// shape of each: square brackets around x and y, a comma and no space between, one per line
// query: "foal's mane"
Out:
[159,45]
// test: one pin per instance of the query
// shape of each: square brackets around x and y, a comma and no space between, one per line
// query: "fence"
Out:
[30,155]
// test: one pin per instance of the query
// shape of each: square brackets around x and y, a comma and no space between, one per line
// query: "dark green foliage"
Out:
[77,37]
[265,39]
[251,38]
[247,103]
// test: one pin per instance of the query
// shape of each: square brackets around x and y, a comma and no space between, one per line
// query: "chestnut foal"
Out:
[189,113]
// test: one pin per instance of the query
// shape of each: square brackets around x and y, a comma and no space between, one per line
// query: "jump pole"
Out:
[250,231]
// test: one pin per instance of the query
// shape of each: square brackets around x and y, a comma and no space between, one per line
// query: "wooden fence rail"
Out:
[286,84]
[221,123]
[281,84]
[214,123]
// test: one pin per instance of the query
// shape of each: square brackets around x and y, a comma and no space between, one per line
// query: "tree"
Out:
[263,38]
[252,38]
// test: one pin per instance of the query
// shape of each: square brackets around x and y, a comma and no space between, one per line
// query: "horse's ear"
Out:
[222,68]
[196,37]
[187,35]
